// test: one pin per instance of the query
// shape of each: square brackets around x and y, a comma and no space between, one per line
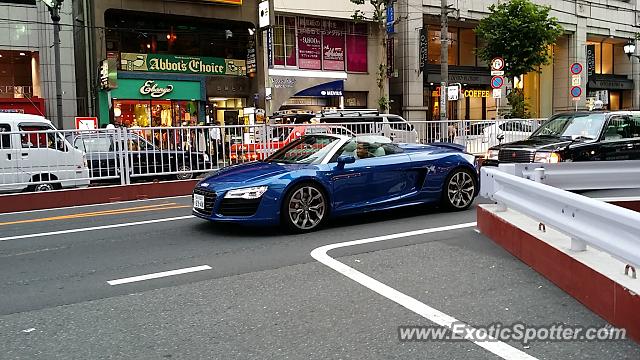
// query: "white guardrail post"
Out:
[586,221]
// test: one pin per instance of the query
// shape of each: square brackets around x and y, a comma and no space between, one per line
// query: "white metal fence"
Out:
[49,159]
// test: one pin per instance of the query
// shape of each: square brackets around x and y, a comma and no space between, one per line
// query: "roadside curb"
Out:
[604,296]
[95,195]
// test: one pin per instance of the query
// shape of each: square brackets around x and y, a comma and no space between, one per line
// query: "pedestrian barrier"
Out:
[43,159]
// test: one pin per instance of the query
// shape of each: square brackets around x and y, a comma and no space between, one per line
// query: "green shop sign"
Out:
[150,89]
[182,64]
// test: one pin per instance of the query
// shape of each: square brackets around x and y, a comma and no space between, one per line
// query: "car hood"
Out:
[538,143]
[250,172]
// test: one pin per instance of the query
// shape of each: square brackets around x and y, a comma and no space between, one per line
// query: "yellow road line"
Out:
[157,207]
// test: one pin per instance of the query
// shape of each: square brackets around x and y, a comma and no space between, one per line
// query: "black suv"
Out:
[145,159]
[576,136]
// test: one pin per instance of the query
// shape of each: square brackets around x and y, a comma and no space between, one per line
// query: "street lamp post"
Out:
[54,8]
[630,50]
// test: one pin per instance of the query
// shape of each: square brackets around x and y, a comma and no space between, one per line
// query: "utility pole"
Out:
[444,67]
[54,8]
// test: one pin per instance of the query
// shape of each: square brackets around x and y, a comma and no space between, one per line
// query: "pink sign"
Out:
[333,45]
[310,44]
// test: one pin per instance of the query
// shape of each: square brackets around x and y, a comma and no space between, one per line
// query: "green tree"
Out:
[520,32]
[379,19]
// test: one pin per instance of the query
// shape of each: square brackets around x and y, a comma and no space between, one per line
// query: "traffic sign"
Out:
[497,82]
[86,123]
[576,91]
[576,68]
[497,93]
[497,64]
[575,80]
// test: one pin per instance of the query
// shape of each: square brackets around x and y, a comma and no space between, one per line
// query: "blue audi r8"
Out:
[324,175]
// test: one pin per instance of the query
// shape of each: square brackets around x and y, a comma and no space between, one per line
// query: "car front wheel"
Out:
[459,190]
[305,208]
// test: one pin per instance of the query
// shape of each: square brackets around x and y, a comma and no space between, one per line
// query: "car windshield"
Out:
[306,150]
[587,126]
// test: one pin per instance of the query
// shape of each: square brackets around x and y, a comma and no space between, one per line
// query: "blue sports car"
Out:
[324,175]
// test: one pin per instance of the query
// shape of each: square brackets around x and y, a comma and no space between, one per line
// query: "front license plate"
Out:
[198,202]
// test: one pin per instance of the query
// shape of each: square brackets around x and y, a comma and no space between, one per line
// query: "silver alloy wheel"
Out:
[43,187]
[461,189]
[306,208]
[184,176]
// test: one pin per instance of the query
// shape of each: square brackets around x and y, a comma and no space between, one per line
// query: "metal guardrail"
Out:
[586,221]
[37,155]
[592,175]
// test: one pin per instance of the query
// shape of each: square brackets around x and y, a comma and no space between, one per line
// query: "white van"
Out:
[34,157]
[359,121]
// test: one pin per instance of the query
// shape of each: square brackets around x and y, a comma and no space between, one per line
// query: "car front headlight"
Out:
[492,154]
[547,157]
[246,193]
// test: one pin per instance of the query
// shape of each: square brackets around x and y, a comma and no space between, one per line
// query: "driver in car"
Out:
[362,151]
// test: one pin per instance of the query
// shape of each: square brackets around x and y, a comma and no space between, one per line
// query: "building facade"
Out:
[595,35]
[27,70]
[318,58]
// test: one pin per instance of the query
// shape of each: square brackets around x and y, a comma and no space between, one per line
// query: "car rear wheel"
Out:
[305,208]
[459,190]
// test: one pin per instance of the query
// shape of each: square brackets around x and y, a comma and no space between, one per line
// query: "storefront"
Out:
[475,101]
[318,98]
[607,81]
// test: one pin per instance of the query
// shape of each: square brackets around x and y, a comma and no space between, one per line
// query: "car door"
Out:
[619,139]
[8,159]
[376,180]
[43,152]
[100,152]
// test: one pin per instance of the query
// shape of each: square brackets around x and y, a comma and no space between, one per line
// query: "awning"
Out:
[334,88]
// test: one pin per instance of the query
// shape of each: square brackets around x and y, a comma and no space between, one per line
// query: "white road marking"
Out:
[498,348]
[94,228]
[92,205]
[158,275]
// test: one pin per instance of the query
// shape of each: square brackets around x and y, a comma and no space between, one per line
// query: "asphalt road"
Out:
[258,293]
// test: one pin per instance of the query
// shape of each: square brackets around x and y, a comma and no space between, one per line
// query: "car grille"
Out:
[516,156]
[239,207]
[209,200]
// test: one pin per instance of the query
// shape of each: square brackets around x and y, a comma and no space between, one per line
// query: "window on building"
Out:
[462,46]
[467,47]
[357,48]
[19,75]
[604,57]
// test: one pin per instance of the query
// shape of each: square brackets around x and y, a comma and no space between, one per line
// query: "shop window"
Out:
[435,45]
[355,99]
[607,59]
[357,48]
[310,43]
[333,45]
[278,42]
[20,74]
[467,47]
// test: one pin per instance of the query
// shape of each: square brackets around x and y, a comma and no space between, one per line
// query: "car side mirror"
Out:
[345,159]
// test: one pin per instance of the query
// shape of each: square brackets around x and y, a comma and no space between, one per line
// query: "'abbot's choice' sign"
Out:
[182,64]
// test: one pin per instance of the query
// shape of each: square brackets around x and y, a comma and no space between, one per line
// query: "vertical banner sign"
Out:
[390,18]
[310,44]
[252,65]
[591,61]
[424,49]
[390,64]
[333,41]
[270,47]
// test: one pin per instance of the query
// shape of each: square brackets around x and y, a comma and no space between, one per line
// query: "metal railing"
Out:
[70,158]
[586,221]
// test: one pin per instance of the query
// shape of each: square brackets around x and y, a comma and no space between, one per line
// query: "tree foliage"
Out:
[520,32]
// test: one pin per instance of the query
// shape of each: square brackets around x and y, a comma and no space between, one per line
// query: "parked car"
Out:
[326,175]
[575,136]
[282,136]
[369,122]
[482,135]
[35,157]
[104,148]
